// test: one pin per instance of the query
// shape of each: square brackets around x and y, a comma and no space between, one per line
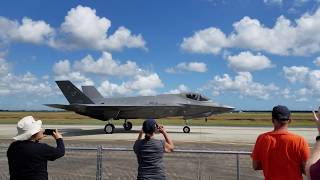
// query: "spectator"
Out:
[280,153]
[27,157]
[150,151]
[313,164]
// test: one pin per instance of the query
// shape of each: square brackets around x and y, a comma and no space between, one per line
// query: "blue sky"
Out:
[250,54]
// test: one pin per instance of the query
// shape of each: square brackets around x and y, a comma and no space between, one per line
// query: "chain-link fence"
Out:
[121,164]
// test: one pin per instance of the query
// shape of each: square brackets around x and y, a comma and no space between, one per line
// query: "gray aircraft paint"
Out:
[91,103]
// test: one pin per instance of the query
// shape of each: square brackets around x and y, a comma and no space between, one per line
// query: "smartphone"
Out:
[49,131]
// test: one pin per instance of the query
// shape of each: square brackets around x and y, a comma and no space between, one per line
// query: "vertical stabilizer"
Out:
[72,93]
[92,93]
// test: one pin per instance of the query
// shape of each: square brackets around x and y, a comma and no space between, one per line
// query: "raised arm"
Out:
[169,146]
[140,134]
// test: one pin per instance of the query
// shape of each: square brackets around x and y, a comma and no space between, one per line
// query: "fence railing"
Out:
[121,163]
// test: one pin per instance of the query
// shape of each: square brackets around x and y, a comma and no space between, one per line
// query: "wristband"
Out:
[318,138]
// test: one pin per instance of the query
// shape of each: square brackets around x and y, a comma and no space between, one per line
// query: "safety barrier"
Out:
[120,163]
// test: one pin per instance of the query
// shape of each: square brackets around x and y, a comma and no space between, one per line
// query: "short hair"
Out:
[281,113]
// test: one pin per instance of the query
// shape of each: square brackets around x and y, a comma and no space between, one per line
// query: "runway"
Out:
[206,134]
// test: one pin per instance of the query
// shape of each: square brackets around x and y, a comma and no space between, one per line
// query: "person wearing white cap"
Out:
[27,157]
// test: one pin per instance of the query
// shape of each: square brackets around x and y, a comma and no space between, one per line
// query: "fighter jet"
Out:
[89,102]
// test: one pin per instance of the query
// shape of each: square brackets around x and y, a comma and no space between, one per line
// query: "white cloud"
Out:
[181,88]
[284,38]
[312,82]
[82,28]
[62,71]
[146,84]
[273,2]
[34,31]
[286,93]
[309,79]
[4,67]
[26,84]
[109,89]
[295,73]
[62,67]
[247,62]
[29,31]
[143,84]
[243,84]
[106,65]
[317,61]
[192,66]
[138,80]
[210,40]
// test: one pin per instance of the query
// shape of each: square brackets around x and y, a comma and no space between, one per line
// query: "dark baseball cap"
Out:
[281,113]
[149,126]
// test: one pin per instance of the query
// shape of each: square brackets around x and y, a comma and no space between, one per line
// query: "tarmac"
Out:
[205,134]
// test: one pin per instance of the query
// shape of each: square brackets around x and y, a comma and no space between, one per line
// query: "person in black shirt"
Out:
[27,157]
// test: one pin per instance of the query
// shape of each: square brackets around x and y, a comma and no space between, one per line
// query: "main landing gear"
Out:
[186,129]
[127,125]
[109,128]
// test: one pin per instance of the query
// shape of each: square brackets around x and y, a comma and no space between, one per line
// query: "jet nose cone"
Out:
[230,108]
[227,108]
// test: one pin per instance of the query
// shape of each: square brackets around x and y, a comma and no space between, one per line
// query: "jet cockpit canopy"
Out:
[196,96]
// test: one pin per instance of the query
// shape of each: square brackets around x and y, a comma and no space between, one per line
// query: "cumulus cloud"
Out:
[317,61]
[82,28]
[243,84]
[143,84]
[25,84]
[62,71]
[180,89]
[295,73]
[210,40]
[106,65]
[300,37]
[309,79]
[192,66]
[138,80]
[312,82]
[28,30]
[247,62]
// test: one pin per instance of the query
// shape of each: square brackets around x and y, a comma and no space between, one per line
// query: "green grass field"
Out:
[229,119]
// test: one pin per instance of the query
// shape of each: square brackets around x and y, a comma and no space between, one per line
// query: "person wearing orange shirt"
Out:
[280,153]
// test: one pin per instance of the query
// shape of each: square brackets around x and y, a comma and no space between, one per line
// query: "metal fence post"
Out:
[99,163]
[238,167]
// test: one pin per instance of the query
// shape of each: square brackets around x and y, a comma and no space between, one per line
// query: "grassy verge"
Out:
[229,119]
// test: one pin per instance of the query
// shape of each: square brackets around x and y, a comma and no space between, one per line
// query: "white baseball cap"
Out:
[27,127]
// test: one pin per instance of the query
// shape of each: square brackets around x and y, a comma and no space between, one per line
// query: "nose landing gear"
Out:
[109,128]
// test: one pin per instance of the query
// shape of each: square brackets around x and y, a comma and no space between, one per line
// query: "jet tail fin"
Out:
[92,92]
[72,93]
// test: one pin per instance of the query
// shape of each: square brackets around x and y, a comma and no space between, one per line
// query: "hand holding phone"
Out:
[49,132]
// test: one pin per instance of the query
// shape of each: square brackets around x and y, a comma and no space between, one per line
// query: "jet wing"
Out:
[110,107]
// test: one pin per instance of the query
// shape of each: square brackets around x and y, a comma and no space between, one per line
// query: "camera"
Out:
[49,131]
